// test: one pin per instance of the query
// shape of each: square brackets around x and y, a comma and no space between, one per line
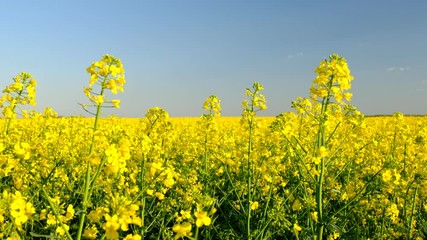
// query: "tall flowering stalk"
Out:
[21,92]
[332,81]
[213,105]
[256,102]
[106,74]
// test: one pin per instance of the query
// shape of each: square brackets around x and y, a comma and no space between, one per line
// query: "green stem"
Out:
[142,213]
[412,213]
[85,202]
[249,180]
[196,235]
[88,183]
[58,219]
[321,167]
[9,120]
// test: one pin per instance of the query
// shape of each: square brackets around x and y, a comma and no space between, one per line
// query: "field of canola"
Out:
[323,171]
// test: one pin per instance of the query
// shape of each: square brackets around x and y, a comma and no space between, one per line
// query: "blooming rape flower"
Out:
[296,227]
[70,213]
[61,230]
[91,232]
[322,152]
[132,237]
[22,149]
[20,210]
[111,226]
[108,73]
[150,192]
[182,230]
[254,205]
[213,105]
[202,218]
[393,212]
[98,100]
[296,206]
[160,195]
[386,176]
[315,216]
[333,78]
[116,103]
[334,236]
[96,215]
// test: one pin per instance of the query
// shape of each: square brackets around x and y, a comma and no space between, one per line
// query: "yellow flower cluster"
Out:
[333,80]
[213,105]
[117,157]
[256,100]
[21,92]
[202,217]
[58,222]
[108,73]
[14,207]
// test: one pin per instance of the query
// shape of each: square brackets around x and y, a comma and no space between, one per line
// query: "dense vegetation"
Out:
[321,172]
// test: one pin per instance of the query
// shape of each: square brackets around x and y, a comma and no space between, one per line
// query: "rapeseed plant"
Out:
[108,73]
[21,92]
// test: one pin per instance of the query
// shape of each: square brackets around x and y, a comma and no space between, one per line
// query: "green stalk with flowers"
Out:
[106,74]
[333,78]
[255,103]
[213,105]
[21,92]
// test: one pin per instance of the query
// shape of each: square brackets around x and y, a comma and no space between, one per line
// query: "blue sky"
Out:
[178,52]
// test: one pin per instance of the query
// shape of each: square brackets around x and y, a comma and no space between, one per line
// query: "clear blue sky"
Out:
[178,52]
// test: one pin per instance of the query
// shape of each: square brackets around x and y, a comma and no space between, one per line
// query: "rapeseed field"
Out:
[323,171]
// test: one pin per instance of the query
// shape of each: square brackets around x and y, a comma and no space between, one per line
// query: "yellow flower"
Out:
[169,181]
[51,220]
[20,210]
[213,105]
[393,212]
[96,215]
[347,96]
[98,100]
[114,70]
[245,103]
[61,230]
[87,91]
[254,205]
[2,212]
[111,226]
[150,192]
[386,176]
[296,206]
[334,236]
[160,195]
[315,216]
[296,227]
[93,78]
[132,237]
[116,103]
[333,77]
[182,230]
[121,80]
[70,213]
[316,160]
[185,214]
[202,218]
[22,149]
[322,152]
[90,232]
